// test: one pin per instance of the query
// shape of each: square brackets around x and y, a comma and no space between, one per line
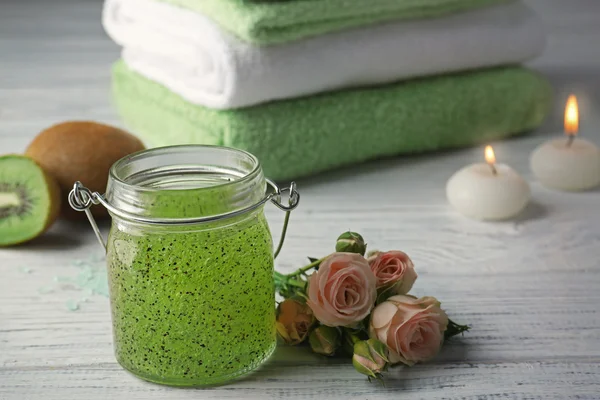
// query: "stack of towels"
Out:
[310,85]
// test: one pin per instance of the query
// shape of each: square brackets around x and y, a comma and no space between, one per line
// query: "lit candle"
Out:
[488,191]
[567,163]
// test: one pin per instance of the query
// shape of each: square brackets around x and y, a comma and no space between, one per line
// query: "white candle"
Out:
[568,163]
[488,191]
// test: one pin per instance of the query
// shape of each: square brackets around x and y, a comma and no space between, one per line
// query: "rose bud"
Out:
[294,321]
[413,329]
[351,242]
[370,357]
[324,340]
[342,291]
[394,270]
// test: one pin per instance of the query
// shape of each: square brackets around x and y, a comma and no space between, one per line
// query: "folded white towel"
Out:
[195,58]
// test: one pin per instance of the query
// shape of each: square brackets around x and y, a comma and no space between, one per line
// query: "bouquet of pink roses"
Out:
[347,304]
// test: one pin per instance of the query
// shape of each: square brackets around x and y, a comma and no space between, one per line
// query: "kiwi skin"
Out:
[55,199]
[81,151]
[54,206]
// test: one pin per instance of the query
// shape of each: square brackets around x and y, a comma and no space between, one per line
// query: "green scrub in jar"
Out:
[192,305]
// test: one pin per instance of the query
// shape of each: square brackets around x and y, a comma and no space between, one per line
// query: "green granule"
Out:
[196,307]
[72,305]
[91,279]
[25,270]
[45,290]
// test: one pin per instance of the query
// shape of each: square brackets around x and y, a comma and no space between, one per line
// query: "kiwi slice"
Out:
[29,199]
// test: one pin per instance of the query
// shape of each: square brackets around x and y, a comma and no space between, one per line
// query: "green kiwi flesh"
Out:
[29,199]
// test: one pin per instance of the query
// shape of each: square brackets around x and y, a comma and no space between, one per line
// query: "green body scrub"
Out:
[193,302]
[193,308]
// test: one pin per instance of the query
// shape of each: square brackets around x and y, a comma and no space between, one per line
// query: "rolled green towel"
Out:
[300,137]
[267,22]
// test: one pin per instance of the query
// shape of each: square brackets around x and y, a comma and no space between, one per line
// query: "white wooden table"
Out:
[530,288]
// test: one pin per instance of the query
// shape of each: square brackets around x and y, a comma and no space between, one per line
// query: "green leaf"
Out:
[455,329]
[378,378]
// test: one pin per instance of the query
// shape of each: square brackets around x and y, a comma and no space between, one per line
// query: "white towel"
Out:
[195,58]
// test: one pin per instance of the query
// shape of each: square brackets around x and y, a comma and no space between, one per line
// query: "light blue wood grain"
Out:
[529,287]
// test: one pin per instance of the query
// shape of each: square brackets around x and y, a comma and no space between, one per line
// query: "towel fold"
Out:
[206,65]
[304,136]
[265,22]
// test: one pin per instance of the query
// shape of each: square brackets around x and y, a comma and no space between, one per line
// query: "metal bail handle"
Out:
[294,199]
[81,199]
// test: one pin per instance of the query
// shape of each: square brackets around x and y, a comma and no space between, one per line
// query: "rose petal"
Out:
[383,314]
[368,364]
[401,338]
[351,297]
[396,358]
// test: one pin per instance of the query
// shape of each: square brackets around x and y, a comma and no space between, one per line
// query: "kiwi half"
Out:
[29,199]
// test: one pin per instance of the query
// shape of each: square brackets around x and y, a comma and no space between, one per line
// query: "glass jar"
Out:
[190,263]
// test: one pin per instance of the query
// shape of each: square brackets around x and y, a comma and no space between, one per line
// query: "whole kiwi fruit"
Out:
[29,199]
[81,151]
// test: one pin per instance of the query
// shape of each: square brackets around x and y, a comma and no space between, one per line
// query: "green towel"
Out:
[267,22]
[300,137]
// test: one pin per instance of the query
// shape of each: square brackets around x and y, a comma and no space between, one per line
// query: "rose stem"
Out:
[304,269]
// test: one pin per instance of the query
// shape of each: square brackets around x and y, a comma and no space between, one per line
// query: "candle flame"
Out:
[571,116]
[490,157]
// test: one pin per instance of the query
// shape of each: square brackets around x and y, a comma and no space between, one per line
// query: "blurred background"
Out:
[64,40]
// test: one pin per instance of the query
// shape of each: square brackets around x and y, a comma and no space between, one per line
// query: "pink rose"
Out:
[342,292]
[413,329]
[393,269]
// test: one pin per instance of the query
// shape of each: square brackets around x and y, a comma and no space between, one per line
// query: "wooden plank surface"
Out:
[529,287]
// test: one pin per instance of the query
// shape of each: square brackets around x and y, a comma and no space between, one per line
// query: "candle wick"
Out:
[570,140]
[494,170]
